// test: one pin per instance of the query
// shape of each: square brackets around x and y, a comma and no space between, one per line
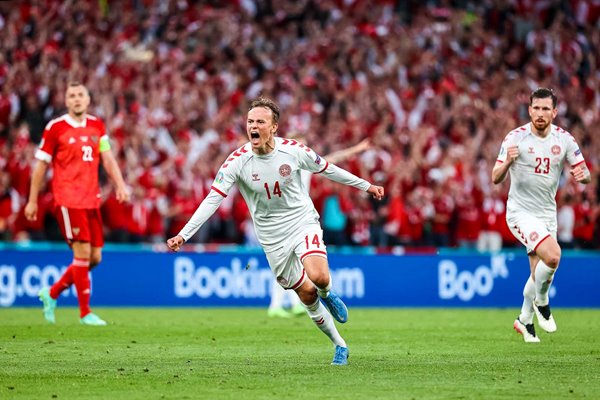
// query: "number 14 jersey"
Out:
[272,186]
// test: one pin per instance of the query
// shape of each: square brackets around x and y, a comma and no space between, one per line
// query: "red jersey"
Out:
[73,149]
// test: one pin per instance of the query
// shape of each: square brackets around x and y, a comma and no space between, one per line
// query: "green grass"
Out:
[207,353]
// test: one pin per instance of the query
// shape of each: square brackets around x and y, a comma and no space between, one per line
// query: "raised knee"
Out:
[321,279]
[553,259]
[308,296]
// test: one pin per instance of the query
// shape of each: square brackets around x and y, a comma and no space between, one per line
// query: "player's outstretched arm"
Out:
[204,211]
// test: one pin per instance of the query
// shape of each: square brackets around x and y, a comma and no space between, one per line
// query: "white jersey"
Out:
[273,189]
[535,174]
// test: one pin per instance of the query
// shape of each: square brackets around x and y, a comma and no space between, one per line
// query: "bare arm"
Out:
[114,172]
[581,173]
[501,168]
[37,177]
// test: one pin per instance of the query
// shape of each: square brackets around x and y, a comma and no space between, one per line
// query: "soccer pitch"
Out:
[225,353]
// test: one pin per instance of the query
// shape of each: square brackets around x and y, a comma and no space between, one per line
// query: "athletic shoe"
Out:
[528,331]
[545,318]
[341,356]
[298,309]
[92,320]
[278,312]
[49,304]
[336,307]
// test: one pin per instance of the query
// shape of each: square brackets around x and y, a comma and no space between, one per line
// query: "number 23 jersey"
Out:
[535,175]
[73,149]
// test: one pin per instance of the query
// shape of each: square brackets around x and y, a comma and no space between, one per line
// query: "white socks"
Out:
[543,278]
[277,295]
[526,316]
[324,321]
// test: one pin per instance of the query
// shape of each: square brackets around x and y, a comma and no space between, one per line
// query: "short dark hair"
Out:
[266,103]
[543,93]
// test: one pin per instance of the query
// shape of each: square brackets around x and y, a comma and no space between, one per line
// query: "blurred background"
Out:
[434,85]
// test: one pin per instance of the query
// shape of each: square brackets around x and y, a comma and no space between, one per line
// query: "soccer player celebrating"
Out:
[534,154]
[267,172]
[74,144]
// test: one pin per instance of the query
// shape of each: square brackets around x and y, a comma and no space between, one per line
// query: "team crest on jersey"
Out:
[285,170]
[95,139]
[555,149]
[282,281]
[76,231]
[531,151]
[219,178]
[255,177]
[533,236]
[72,140]
[318,160]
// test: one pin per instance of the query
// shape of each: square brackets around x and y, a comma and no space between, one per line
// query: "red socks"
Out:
[78,274]
[63,283]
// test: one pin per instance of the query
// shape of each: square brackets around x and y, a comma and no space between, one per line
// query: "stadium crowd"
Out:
[434,85]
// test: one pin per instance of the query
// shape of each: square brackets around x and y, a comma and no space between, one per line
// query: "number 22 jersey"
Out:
[73,149]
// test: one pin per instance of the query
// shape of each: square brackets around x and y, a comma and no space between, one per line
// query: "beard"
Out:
[541,125]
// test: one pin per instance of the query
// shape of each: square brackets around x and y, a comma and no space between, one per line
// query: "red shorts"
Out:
[83,225]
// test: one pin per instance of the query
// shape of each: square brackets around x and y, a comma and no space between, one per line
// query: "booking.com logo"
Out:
[236,281]
[29,283]
[466,284]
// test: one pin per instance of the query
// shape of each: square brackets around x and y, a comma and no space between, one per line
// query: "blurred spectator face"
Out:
[542,113]
[77,100]
[260,128]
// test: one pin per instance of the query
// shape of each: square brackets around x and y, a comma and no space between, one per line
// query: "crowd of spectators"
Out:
[434,85]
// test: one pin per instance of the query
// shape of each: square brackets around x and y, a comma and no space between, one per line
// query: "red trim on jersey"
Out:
[579,163]
[299,280]
[312,252]
[500,161]
[218,191]
[540,242]
[326,165]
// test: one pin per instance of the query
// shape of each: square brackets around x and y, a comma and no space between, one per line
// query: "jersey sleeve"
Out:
[309,160]
[506,143]
[226,176]
[574,156]
[48,144]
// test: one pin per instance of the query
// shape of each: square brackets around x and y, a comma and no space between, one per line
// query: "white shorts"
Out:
[529,230]
[286,261]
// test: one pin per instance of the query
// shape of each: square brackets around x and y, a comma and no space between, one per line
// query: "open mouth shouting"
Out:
[255,138]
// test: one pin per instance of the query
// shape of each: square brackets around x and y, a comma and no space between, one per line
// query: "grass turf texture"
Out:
[208,353]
